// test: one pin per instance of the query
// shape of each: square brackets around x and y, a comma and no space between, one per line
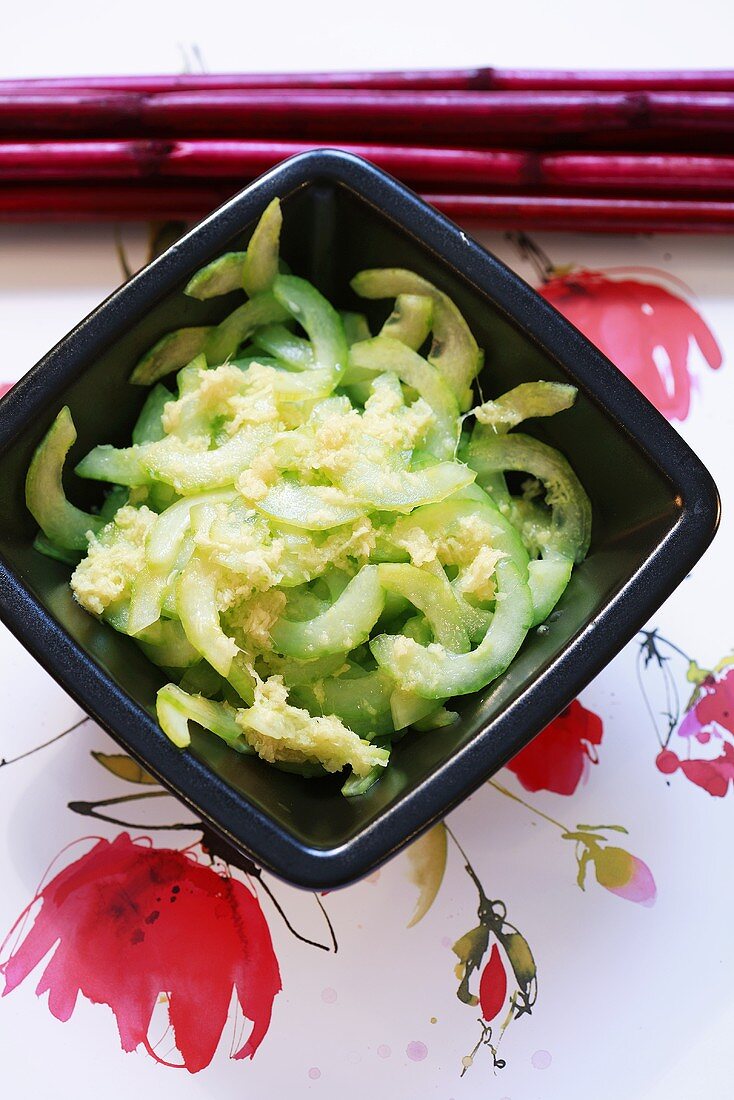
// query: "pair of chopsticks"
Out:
[579,150]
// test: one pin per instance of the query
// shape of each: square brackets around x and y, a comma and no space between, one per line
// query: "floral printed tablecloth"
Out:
[563,935]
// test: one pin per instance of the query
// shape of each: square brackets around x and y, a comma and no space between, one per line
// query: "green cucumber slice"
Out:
[63,524]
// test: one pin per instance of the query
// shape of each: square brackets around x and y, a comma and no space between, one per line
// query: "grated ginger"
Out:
[278,731]
[251,621]
[114,559]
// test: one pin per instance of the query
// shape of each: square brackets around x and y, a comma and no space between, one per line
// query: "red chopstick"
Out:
[233,160]
[86,161]
[608,150]
[481,78]
[134,202]
[338,114]
[605,215]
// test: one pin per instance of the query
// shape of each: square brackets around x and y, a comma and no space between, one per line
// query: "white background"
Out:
[239,35]
[633,1002]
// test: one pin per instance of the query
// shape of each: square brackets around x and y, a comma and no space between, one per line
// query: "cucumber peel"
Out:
[64,525]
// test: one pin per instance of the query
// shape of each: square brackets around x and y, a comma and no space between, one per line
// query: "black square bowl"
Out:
[655,511]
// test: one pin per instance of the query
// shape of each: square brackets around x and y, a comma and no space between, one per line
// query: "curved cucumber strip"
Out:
[403,490]
[417,628]
[309,507]
[385,354]
[194,471]
[305,673]
[148,593]
[222,342]
[241,679]
[245,361]
[221,276]
[304,604]
[149,425]
[532,521]
[355,326]
[312,385]
[62,523]
[260,265]
[475,619]
[361,699]
[549,576]
[524,402]
[170,461]
[167,534]
[290,349]
[570,506]
[170,353]
[169,607]
[361,784]
[435,673]
[407,708]
[345,625]
[201,679]
[437,719]
[548,580]
[333,582]
[117,465]
[176,708]
[503,534]
[117,497]
[165,644]
[433,598]
[454,353]
[167,550]
[410,321]
[50,550]
[196,600]
[317,316]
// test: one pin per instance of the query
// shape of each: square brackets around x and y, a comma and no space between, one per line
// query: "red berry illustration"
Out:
[492,985]
[667,762]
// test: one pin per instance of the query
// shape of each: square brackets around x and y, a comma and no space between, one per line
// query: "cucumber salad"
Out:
[313,533]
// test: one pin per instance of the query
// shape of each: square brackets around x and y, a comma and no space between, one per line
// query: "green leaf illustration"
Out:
[471,949]
[427,859]
[124,767]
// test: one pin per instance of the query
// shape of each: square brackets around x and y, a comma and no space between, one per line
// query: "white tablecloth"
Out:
[633,980]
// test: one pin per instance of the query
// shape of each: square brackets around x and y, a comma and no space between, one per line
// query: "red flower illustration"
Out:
[616,869]
[715,707]
[558,758]
[128,923]
[708,722]
[645,328]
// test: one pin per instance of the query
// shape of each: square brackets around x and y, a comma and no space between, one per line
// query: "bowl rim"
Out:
[219,806]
